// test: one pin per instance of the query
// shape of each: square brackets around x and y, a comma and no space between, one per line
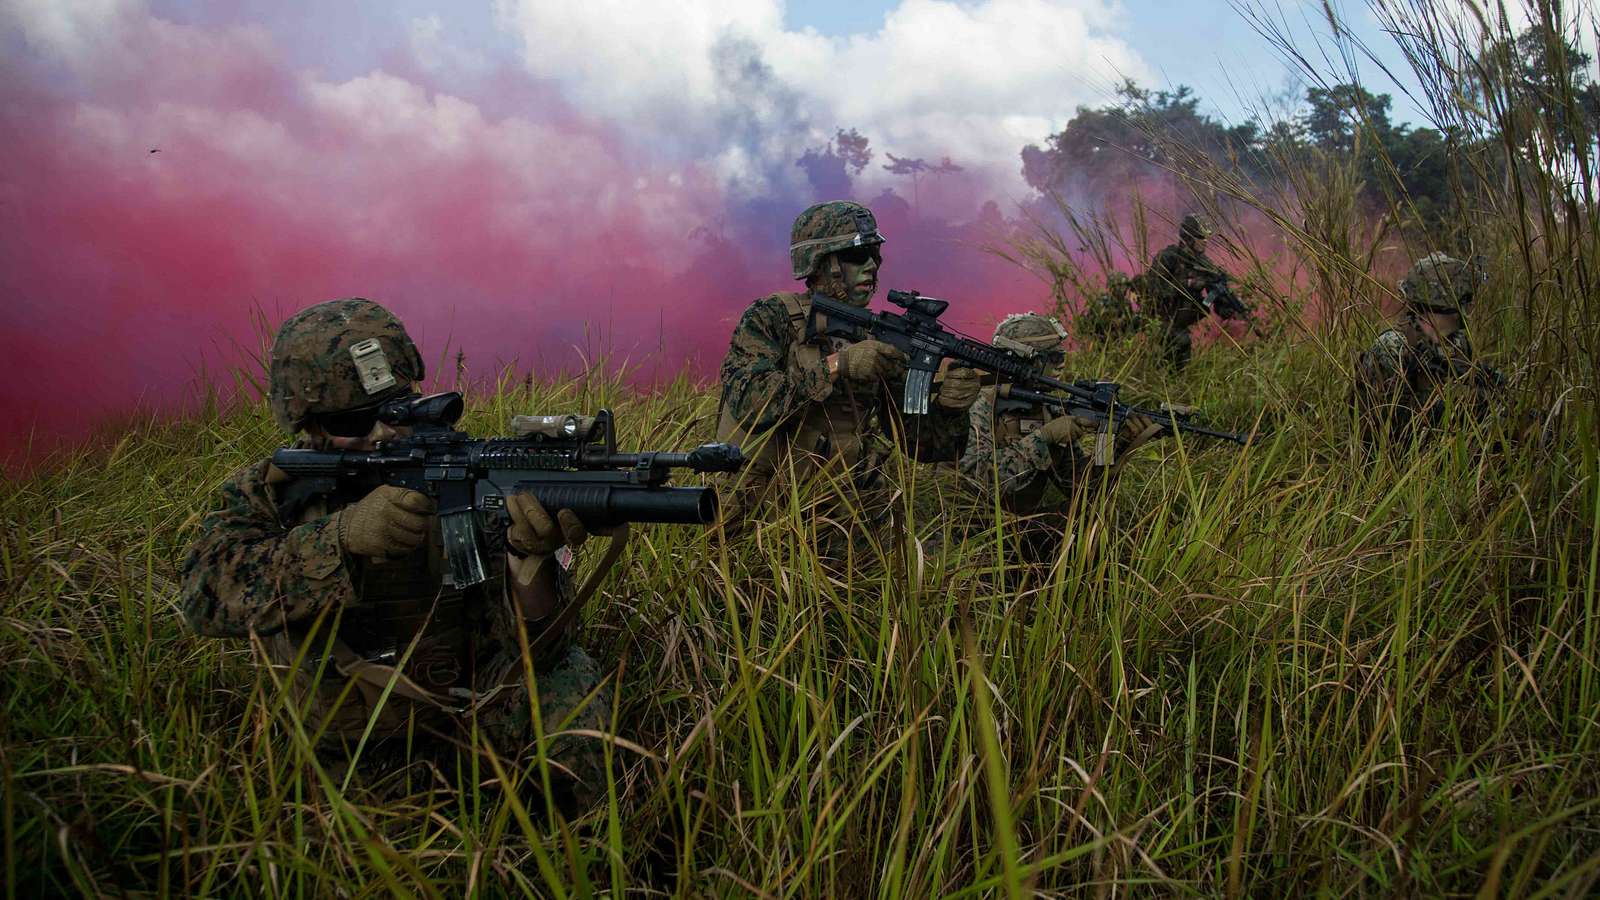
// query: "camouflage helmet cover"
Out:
[826,228]
[1194,227]
[1029,333]
[339,355]
[1440,283]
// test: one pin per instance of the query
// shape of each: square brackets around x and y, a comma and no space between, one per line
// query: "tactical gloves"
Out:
[1062,431]
[389,522]
[960,388]
[869,361]
[534,533]
[1134,432]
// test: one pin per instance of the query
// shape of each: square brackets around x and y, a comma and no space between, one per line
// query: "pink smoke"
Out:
[515,237]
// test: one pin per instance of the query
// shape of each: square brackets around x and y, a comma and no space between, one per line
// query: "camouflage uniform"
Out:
[1404,379]
[1175,280]
[1007,459]
[779,402]
[339,628]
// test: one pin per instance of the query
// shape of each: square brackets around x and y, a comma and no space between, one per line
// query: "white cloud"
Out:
[729,83]
[70,30]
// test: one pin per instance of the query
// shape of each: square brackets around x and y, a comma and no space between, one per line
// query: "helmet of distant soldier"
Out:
[1440,283]
[1029,333]
[826,228]
[337,356]
[1194,227]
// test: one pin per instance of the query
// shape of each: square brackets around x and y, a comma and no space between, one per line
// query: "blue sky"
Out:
[1206,44]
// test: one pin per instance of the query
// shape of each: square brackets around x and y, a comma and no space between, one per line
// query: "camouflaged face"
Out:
[826,228]
[1440,281]
[1032,329]
[314,371]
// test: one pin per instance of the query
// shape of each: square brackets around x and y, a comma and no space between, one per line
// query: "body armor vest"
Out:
[398,601]
[842,430]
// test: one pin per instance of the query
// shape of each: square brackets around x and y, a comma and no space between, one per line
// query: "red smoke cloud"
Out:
[512,236]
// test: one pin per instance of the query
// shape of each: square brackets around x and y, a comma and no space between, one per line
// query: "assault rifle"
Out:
[567,462]
[918,333]
[1218,296]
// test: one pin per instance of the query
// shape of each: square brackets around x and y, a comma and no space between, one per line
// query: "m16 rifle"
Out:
[918,333]
[566,462]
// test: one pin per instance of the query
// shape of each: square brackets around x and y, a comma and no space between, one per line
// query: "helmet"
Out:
[1440,283]
[1029,333]
[339,355]
[827,227]
[1193,228]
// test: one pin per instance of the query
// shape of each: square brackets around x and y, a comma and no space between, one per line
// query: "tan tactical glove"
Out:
[868,361]
[1136,431]
[534,533]
[389,522]
[960,388]
[1062,431]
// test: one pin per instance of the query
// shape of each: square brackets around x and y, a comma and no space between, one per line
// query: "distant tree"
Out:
[917,169]
[1541,90]
[830,167]
[1143,133]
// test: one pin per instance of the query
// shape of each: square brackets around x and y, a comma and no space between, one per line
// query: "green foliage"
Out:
[1266,671]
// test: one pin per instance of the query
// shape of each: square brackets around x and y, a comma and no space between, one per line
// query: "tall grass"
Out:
[1295,668]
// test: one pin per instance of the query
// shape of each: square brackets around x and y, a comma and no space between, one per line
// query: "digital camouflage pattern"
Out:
[1030,328]
[828,227]
[781,403]
[312,369]
[778,398]
[1440,283]
[1406,379]
[1005,455]
[763,381]
[255,571]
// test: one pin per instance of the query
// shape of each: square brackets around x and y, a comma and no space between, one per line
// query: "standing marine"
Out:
[1178,280]
[1407,378]
[348,596]
[1026,455]
[803,402]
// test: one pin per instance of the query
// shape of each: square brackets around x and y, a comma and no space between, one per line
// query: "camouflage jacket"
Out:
[1004,453]
[1174,281]
[258,569]
[1404,376]
[775,378]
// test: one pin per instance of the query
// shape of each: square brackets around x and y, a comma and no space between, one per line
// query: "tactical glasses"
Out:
[858,256]
[355,423]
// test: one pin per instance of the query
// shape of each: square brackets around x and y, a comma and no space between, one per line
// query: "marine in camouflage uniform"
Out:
[348,596]
[1406,379]
[1176,280]
[1024,454]
[806,403]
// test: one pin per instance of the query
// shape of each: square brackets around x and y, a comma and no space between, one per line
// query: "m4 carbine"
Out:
[566,462]
[918,333]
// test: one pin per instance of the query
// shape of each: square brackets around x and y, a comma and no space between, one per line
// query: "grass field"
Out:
[1291,668]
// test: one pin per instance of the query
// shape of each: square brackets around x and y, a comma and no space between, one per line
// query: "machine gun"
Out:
[918,333]
[567,462]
